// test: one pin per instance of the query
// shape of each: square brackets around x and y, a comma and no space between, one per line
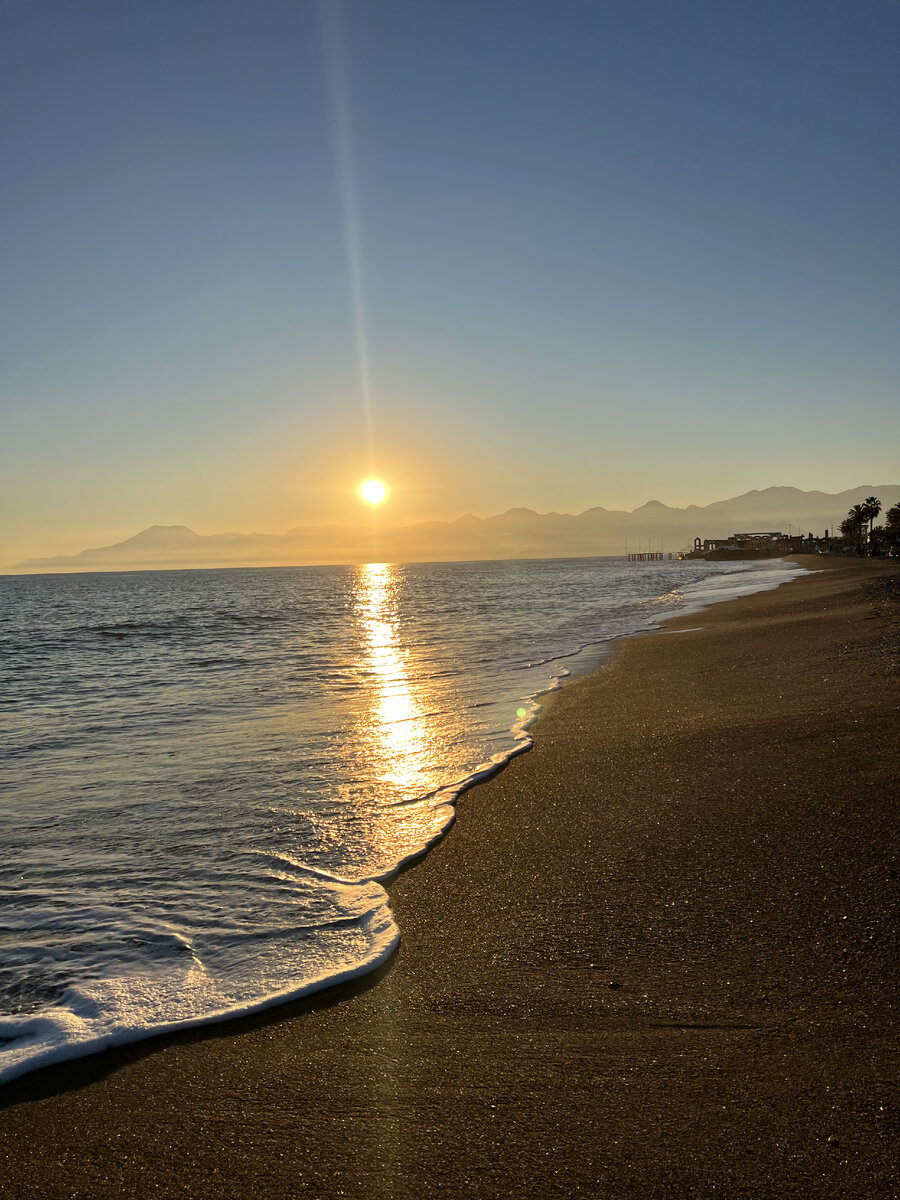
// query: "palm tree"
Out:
[871,507]
[854,523]
[848,529]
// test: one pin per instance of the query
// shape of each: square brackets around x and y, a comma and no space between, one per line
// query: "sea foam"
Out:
[214,774]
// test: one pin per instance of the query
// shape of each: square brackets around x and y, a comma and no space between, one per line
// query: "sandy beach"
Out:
[652,958]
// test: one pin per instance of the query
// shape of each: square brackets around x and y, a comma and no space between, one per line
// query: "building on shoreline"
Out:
[768,544]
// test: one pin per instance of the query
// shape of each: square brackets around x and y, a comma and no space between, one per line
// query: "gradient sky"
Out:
[602,252]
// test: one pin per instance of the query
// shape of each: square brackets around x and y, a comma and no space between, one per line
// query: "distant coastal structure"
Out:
[856,534]
[769,544]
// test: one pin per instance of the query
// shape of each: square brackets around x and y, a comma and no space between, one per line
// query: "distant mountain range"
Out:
[518,533]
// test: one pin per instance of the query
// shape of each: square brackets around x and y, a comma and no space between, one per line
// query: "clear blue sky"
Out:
[609,251]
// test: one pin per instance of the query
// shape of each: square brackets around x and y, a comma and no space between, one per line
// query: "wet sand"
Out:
[653,958]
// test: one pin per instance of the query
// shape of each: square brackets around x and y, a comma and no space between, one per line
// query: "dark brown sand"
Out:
[652,958]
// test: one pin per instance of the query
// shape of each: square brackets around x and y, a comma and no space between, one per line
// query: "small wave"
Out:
[94,1017]
[199,625]
[265,826]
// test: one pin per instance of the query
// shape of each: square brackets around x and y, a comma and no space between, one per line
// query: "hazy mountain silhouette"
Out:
[517,533]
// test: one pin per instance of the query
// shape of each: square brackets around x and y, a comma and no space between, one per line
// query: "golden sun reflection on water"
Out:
[396,735]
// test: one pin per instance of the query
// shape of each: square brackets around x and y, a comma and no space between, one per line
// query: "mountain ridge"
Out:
[517,533]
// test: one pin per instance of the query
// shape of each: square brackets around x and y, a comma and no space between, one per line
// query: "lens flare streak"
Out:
[333,41]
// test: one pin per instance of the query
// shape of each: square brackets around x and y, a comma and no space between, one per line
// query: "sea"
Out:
[208,777]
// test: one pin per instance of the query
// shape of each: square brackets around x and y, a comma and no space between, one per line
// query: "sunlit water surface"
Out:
[207,773]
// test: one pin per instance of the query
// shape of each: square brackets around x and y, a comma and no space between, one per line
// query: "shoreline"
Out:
[524,1030]
[596,652]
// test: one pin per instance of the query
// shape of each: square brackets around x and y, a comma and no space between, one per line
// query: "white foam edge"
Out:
[753,570]
[448,794]
[384,945]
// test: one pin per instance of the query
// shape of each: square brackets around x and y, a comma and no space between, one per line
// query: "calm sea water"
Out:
[207,776]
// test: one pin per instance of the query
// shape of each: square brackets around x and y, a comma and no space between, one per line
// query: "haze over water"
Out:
[210,771]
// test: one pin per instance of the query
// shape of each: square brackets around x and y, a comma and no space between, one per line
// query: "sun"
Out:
[373,491]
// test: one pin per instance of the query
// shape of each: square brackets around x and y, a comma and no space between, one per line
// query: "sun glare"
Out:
[373,491]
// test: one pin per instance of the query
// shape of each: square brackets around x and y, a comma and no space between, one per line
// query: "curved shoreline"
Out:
[33,1038]
[608,983]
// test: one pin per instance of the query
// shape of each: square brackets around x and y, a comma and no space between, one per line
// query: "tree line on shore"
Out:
[859,527]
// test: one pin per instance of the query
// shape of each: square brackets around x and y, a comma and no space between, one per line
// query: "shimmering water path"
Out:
[206,774]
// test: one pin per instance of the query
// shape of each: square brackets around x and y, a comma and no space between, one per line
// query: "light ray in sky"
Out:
[333,41]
